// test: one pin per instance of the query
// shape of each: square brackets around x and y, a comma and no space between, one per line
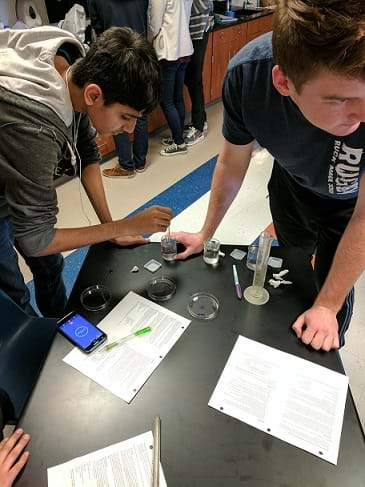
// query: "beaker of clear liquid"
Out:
[257,294]
[168,247]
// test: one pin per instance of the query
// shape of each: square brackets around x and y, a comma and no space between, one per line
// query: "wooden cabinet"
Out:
[266,23]
[220,59]
[105,144]
[258,27]
[227,42]
[239,38]
[156,119]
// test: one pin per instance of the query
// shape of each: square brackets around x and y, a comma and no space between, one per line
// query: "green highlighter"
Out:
[125,339]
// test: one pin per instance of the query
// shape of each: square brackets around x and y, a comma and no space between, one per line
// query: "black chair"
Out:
[24,345]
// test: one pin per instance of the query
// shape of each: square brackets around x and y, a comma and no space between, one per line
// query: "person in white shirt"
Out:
[168,30]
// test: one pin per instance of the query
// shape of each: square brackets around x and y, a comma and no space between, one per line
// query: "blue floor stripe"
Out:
[186,191]
[178,197]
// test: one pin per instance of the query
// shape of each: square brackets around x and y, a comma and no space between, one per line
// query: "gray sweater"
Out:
[35,133]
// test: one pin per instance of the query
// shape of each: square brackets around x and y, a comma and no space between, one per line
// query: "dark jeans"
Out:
[50,291]
[194,82]
[172,100]
[133,155]
[315,224]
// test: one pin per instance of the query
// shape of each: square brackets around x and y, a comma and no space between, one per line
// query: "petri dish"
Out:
[95,298]
[161,288]
[203,306]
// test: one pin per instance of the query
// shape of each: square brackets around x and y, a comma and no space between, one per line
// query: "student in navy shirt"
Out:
[301,94]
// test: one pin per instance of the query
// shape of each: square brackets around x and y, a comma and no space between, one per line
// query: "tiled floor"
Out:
[248,216]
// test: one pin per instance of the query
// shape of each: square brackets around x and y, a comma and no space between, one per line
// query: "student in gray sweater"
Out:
[49,92]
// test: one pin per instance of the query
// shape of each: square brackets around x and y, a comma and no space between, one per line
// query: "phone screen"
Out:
[81,332]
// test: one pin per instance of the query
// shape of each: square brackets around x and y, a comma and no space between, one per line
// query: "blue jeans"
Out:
[194,82]
[129,159]
[50,290]
[172,100]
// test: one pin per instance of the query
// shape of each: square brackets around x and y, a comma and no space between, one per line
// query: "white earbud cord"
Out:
[73,150]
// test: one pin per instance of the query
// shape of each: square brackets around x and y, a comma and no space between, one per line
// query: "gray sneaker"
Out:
[174,150]
[194,136]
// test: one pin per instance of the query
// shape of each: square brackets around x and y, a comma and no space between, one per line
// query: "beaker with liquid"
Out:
[211,251]
[168,247]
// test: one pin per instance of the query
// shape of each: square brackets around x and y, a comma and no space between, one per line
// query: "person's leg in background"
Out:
[194,83]
[125,166]
[11,278]
[140,144]
[50,291]
[302,219]
[179,93]
[169,70]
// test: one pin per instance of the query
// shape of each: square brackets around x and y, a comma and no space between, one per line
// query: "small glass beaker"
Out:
[211,251]
[168,247]
[252,256]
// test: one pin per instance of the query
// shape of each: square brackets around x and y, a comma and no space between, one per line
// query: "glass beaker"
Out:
[211,251]
[257,294]
[252,256]
[168,247]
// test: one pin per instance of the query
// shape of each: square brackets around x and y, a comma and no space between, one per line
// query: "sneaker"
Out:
[187,128]
[168,141]
[194,136]
[141,168]
[190,126]
[174,150]
[118,172]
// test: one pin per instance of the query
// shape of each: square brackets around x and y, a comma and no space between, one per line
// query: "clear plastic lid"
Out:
[203,306]
[95,298]
[161,288]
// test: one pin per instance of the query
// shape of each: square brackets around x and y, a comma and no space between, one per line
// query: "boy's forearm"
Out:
[74,238]
[228,176]
[347,266]
[94,187]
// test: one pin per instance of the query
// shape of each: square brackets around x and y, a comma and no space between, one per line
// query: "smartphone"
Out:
[83,334]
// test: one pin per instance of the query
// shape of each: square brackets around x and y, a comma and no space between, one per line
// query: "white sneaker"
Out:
[187,129]
[194,136]
[205,129]
[174,150]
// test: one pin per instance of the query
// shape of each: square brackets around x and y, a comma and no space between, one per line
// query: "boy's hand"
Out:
[151,220]
[12,458]
[193,242]
[128,240]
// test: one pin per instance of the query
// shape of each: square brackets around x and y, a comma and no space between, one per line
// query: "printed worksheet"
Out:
[295,400]
[124,369]
[125,464]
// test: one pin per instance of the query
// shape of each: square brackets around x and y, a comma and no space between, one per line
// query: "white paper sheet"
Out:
[124,369]
[125,464]
[295,400]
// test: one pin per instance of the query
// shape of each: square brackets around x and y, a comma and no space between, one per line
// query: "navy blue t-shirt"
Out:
[326,164]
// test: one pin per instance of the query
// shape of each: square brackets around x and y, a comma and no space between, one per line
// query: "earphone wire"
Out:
[74,151]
